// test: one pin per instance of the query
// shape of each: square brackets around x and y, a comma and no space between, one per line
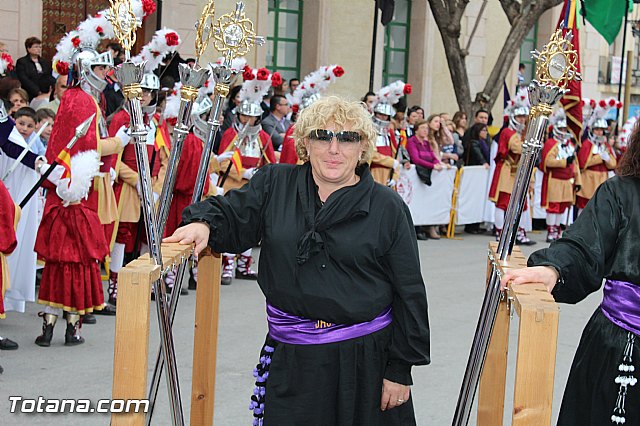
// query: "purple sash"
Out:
[287,328]
[621,305]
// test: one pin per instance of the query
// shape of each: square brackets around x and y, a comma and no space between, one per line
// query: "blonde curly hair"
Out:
[340,112]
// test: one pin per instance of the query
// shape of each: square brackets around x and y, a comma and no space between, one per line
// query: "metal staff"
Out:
[556,66]
[25,151]
[129,74]
[81,130]
[234,36]
[192,80]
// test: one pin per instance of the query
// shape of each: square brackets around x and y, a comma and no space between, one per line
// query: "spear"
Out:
[81,130]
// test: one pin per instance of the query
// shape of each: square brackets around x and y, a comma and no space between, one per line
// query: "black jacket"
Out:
[28,74]
[344,261]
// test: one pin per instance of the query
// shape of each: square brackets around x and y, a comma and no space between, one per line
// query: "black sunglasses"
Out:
[345,136]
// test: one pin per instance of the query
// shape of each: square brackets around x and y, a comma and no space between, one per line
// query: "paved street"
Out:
[453,271]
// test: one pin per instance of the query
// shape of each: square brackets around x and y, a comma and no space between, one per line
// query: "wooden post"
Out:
[131,352]
[536,360]
[205,340]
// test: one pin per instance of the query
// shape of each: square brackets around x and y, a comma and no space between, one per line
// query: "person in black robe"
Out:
[602,245]
[339,252]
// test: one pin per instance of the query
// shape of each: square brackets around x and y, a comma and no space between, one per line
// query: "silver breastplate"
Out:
[249,145]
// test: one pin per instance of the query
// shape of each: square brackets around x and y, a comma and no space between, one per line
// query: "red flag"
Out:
[237,161]
[571,101]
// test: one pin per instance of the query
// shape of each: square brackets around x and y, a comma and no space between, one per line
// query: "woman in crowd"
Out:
[346,307]
[477,154]
[603,243]
[31,67]
[233,100]
[424,152]
[460,127]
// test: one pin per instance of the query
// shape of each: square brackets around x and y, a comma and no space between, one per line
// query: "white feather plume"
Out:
[625,132]
[172,104]
[254,90]
[316,81]
[84,167]
[391,94]
[156,50]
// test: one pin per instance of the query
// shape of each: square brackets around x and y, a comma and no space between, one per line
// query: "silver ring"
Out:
[401,400]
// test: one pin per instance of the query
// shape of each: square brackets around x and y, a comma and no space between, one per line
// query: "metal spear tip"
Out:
[82,129]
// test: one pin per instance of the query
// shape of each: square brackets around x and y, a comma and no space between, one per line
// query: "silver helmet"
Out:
[251,109]
[600,123]
[560,132]
[308,100]
[150,82]
[200,125]
[84,59]
[518,112]
[384,108]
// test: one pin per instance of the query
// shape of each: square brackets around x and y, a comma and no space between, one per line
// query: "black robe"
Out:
[343,262]
[604,242]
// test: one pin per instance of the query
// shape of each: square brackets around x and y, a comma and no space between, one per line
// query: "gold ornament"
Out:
[234,34]
[124,23]
[557,63]
[204,29]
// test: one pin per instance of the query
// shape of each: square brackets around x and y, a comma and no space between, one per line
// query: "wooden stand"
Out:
[536,357]
[131,354]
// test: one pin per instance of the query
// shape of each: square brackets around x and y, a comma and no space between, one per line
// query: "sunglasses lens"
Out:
[349,137]
[321,135]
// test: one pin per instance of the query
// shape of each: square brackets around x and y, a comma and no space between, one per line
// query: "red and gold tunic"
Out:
[559,178]
[507,159]
[593,170]
[67,239]
[9,216]
[234,180]
[383,159]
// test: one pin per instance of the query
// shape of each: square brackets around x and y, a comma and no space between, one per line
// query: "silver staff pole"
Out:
[192,80]
[556,66]
[233,37]
[129,74]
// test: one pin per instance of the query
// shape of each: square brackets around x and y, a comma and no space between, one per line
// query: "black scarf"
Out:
[344,204]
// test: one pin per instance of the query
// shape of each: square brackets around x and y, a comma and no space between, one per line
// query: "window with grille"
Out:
[396,44]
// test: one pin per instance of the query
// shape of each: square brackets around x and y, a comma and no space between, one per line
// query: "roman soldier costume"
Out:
[561,175]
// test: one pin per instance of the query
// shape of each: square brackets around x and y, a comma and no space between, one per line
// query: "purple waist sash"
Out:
[295,330]
[621,305]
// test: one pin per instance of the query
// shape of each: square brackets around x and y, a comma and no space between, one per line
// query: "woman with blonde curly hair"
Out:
[339,267]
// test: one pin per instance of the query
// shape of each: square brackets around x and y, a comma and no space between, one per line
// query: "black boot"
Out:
[113,288]
[71,336]
[48,322]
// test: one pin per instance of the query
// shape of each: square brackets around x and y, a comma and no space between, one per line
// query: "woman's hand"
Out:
[486,166]
[393,394]
[197,232]
[437,166]
[535,274]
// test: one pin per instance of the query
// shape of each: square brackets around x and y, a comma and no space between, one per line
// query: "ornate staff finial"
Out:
[124,24]
[557,63]
[204,29]
[234,34]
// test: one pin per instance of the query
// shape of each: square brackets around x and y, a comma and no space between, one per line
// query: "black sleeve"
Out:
[583,252]
[12,149]
[235,219]
[410,342]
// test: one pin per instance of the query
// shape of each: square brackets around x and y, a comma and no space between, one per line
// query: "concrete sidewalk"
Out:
[454,273]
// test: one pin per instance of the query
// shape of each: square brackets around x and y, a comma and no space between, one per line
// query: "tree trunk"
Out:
[448,13]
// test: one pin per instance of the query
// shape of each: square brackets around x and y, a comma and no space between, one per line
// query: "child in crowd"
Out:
[19,98]
[25,119]
[45,115]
